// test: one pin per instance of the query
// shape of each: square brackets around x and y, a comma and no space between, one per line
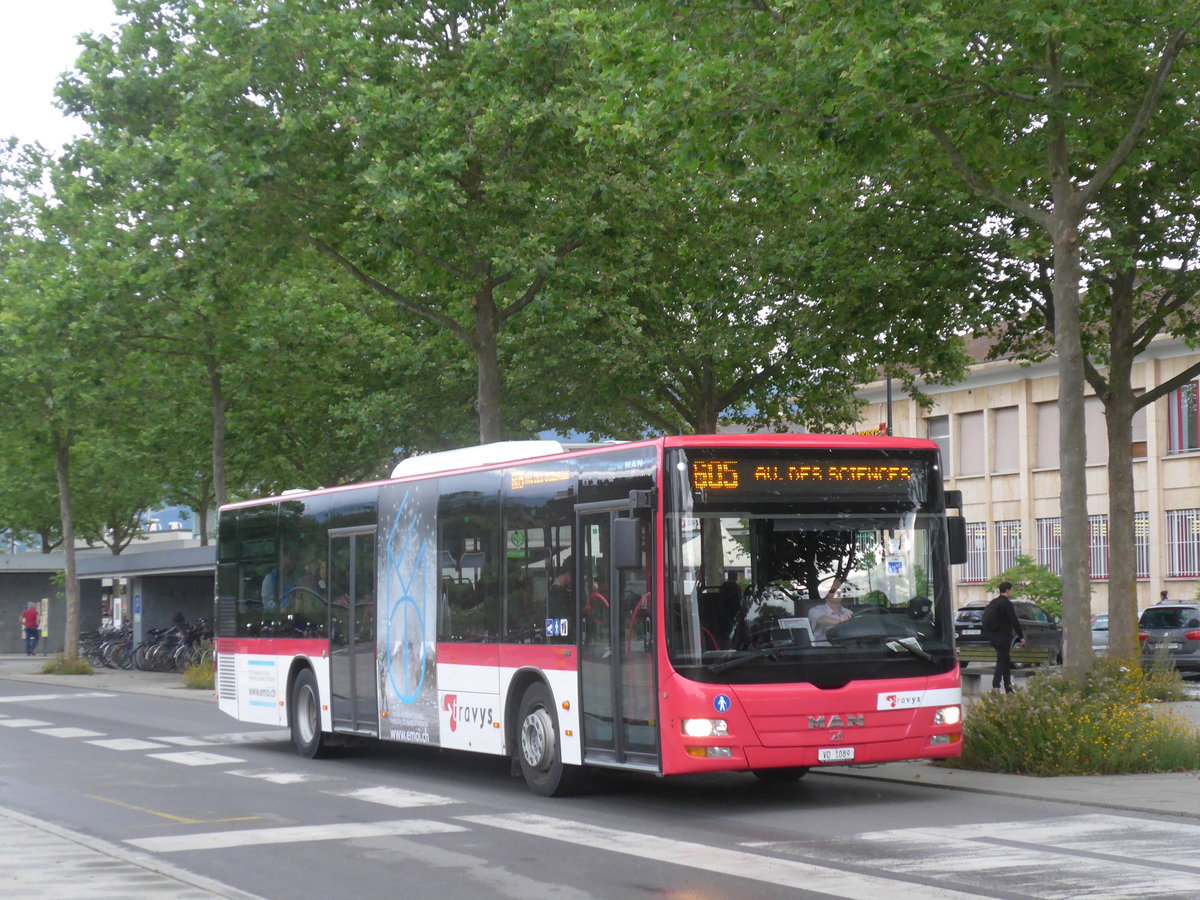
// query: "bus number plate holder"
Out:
[835,754]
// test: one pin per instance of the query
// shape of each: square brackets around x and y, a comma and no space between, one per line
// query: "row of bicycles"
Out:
[175,648]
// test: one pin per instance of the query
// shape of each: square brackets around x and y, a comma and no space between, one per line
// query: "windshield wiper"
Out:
[749,656]
[911,645]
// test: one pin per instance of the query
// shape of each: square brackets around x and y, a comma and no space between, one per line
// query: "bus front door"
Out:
[352,631]
[616,652]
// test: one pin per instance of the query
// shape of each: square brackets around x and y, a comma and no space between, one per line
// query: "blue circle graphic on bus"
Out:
[721,703]
[411,653]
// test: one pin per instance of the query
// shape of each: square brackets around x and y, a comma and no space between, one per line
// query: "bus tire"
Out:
[305,717]
[538,750]
[785,775]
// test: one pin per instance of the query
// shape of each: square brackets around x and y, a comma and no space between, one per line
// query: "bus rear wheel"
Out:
[305,717]
[538,749]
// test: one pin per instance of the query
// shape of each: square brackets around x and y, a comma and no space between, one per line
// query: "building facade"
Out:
[998,430]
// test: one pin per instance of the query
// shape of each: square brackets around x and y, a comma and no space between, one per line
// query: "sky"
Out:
[37,44]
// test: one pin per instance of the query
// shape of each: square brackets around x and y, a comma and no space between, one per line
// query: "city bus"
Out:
[648,606]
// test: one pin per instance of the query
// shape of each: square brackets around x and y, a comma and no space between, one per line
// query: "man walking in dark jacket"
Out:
[1000,624]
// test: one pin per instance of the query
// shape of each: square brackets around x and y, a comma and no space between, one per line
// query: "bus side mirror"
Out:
[627,543]
[956,528]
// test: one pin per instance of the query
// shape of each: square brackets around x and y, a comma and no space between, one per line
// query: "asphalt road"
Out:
[175,786]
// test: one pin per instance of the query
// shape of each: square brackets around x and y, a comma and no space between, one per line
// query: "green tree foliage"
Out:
[1033,582]
[1036,110]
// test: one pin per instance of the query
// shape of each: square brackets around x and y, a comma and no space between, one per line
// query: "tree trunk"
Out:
[216,391]
[487,359]
[1119,407]
[1122,567]
[62,472]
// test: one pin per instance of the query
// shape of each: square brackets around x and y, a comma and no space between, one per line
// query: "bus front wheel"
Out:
[305,717]
[538,750]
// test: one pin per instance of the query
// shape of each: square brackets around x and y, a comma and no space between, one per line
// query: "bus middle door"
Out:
[352,678]
[616,648]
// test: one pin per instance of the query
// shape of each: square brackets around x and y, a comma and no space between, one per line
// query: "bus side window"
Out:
[469,554]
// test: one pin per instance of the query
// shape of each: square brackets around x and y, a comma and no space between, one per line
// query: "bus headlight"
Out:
[701,728]
[948,715]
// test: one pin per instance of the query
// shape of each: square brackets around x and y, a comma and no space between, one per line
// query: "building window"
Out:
[1095,431]
[970,444]
[1141,543]
[1006,441]
[1049,544]
[1047,436]
[976,570]
[1098,547]
[1183,543]
[1183,423]
[1008,544]
[937,429]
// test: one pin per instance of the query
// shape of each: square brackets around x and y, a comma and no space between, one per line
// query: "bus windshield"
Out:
[812,588]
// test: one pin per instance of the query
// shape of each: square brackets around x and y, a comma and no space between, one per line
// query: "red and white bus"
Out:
[648,606]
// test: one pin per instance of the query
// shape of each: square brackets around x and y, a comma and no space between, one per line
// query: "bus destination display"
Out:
[775,476]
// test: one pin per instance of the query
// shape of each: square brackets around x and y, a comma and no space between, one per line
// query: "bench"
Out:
[1021,656]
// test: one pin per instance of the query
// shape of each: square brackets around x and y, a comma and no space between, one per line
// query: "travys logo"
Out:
[480,716]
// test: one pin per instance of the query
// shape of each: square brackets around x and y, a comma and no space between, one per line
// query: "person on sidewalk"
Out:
[29,621]
[999,626]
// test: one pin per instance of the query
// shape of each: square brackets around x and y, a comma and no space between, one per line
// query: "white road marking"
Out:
[127,744]
[1097,856]
[183,741]
[395,797]
[24,723]
[68,732]
[275,777]
[739,864]
[258,837]
[249,737]
[195,758]
[38,698]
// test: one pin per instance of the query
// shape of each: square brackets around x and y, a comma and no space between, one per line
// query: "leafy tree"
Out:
[1036,110]
[430,152]
[1033,582]
[56,308]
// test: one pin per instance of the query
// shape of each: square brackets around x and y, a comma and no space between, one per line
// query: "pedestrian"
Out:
[29,621]
[999,626]
[1162,597]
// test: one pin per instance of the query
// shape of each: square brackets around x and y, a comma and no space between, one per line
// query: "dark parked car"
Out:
[1172,629]
[1041,629]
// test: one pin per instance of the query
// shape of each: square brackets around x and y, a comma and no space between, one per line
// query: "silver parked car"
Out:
[1172,629]
[1100,635]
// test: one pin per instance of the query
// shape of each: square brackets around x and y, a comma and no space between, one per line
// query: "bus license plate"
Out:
[835,754]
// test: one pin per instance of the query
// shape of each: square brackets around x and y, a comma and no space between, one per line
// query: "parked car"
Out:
[1041,629]
[1172,629]
[1100,635]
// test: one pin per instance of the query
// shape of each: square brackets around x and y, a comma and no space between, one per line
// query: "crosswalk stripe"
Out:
[273,777]
[249,737]
[195,758]
[258,837]
[127,744]
[183,741]
[395,797]
[39,698]
[24,723]
[739,864]
[68,732]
